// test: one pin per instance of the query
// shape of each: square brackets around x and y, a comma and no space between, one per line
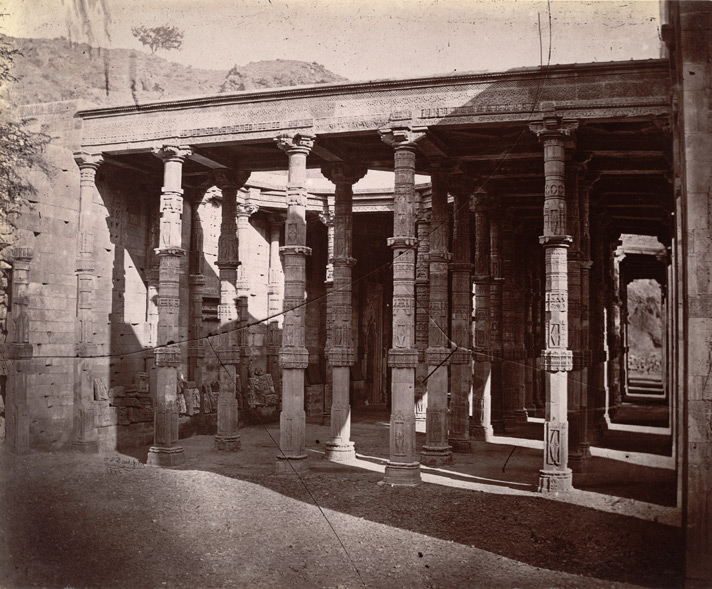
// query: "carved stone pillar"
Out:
[196,282]
[341,351]
[165,451]
[597,372]
[275,301]
[496,346]
[152,263]
[513,373]
[529,342]
[556,359]
[422,310]
[85,435]
[244,211]
[579,268]
[403,467]
[537,332]
[481,427]
[519,355]
[294,356]
[227,437]
[615,343]
[20,356]
[327,217]
[436,450]
[461,316]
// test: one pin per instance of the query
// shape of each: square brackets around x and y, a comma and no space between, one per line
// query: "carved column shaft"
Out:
[481,428]
[577,209]
[274,301]
[510,362]
[84,422]
[165,451]
[245,235]
[341,351]
[20,355]
[327,218]
[437,451]
[529,342]
[496,320]
[461,316]
[556,358]
[422,310]
[227,437]
[403,467]
[294,356]
[196,347]
[244,211]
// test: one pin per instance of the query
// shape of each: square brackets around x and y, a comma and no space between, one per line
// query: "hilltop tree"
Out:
[164,37]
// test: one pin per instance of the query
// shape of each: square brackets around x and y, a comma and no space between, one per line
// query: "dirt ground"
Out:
[226,520]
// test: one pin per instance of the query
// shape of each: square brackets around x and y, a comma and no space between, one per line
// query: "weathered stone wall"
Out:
[691,52]
[50,227]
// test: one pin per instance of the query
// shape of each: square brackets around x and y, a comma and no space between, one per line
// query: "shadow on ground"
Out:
[226,520]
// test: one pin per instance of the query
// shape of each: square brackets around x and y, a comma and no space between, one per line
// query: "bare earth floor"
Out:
[226,520]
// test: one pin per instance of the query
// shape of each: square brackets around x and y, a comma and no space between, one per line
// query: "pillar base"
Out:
[85,446]
[579,459]
[227,443]
[461,446]
[555,481]
[288,465]
[436,455]
[165,457]
[481,433]
[520,416]
[340,452]
[498,427]
[405,474]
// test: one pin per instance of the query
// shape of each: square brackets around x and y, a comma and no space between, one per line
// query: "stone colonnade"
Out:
[466,337]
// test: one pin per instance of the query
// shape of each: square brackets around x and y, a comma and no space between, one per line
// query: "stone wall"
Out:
[50,227]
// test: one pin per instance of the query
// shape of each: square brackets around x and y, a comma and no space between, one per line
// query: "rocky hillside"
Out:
[50,70]
[644,327]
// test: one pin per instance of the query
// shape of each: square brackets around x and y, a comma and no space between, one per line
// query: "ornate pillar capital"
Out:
[343,172]
[226,179]
[461,184]
[327,218]
[402,137]
[292,143]
[86,160]
[22,254]
[553,126]
[172,153]
[480,200]
[246,209]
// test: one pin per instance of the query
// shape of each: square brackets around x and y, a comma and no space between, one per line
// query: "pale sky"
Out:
[363,39]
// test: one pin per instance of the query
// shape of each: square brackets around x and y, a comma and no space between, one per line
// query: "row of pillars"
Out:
[446,429]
